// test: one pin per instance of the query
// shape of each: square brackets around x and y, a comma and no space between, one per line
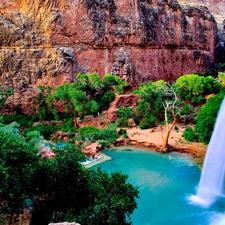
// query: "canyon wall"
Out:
[47,42]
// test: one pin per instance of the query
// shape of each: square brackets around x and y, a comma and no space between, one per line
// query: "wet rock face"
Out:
[48,42]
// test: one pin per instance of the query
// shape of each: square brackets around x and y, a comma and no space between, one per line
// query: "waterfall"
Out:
[212,182]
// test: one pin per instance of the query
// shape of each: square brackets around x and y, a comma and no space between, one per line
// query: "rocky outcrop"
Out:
[92,150]
[47,42]
[121,100]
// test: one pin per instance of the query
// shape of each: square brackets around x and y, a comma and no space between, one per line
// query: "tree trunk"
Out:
[165,140]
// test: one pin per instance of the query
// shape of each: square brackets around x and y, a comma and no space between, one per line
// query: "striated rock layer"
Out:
[47,42]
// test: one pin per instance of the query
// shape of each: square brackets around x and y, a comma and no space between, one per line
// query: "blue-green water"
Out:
[165,182]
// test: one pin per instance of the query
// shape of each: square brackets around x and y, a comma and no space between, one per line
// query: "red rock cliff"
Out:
[47,42]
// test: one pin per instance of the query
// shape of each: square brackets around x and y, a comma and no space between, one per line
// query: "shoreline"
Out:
[151,140]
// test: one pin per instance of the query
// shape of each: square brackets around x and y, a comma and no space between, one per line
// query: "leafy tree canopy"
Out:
[207,117]
[60,189]
[194,88]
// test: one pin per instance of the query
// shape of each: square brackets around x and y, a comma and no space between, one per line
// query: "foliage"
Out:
[12,128]
[189,112]
[151,95]
[194,88]
[44,104]
[207,117]
[106,99]
[190,135]
[122,131]
[4,94]
[61,189]
[68,126]
[90,134]
[34,138]
[17,163]
[22,119]
[45,130]
[108,135]
[110,80]
[92,108]
[148,121]
[112,126]
[113,208]
[125,113]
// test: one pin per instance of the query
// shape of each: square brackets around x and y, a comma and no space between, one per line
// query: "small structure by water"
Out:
[211,184]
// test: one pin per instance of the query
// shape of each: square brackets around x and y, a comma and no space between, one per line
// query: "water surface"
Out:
[165,182]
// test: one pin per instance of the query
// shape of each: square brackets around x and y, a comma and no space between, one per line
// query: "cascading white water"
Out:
[212,183]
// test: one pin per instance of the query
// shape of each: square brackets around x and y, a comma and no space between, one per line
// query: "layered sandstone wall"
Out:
[47,42]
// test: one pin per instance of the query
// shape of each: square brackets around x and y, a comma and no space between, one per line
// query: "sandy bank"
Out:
[153,138]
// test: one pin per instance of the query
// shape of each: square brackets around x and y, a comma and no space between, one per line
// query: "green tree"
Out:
[194,88]
[111,81]
[158,97]
[44,104]
[124,114]
[17,167]
[60,189]
[113,199]
[207,117]
[75,99]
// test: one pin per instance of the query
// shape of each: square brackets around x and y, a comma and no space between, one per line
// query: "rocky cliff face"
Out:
[47,42]
[217,8]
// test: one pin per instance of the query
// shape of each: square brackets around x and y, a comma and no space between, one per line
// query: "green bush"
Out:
[122,131]
[122,122]
[207,117]
[45,130]
[68,126]
[108,135]
[148,121]
[12,128]
[112,126]
[106,99]
[190,135]
[22,119]
[90,134]
[34,138]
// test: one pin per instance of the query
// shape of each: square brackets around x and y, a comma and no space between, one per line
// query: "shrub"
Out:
[122,131]
[108,135]
[68,126]
[106,99]
[45,130]
[207,117]
[12,128]
[148,121]
[112,126]
[90,134]
[176,128]
[34,138]
[22,119]
[122,122]
[190,135]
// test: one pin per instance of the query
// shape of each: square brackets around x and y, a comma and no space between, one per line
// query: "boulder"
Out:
[47,153]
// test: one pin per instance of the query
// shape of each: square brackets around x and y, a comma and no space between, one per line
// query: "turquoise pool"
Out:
[165,182]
